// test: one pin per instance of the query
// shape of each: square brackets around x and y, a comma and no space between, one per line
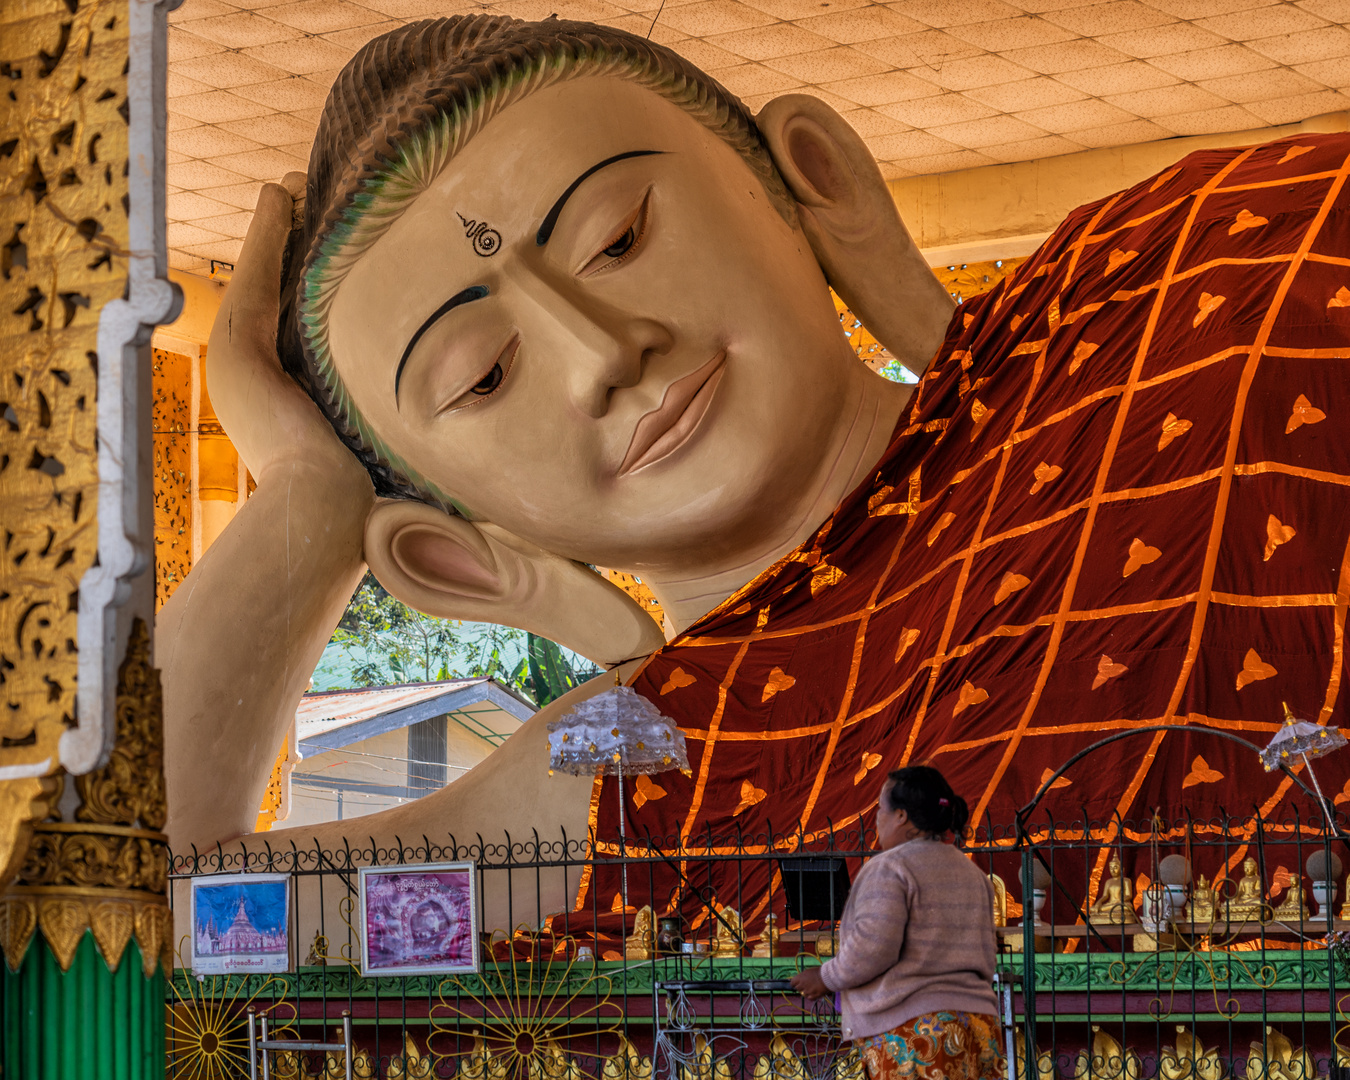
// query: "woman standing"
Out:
[915,965]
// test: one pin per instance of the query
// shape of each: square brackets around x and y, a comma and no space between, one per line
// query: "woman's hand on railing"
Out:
[809,984]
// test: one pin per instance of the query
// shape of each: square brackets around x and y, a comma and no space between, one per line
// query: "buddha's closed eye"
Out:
[624,243]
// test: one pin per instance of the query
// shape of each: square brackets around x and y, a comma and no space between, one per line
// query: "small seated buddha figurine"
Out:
[641,943]
[728,939]
[1247,904]
[1294,907]
[767,945]
[1115,903]
[1200,909]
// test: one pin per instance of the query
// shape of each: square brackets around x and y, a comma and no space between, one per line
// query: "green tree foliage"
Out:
[387,643]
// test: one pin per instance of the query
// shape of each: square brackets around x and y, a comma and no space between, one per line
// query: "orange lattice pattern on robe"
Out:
[1119,499]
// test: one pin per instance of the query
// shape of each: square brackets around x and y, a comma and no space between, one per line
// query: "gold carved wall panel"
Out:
[64,240]
[171,387]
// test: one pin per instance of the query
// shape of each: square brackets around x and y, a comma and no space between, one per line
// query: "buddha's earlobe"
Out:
[456,569]
[851,221]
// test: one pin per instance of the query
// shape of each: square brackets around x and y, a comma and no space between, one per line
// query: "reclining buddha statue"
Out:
[550,297]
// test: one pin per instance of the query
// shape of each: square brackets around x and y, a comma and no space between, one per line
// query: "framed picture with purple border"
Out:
[419,920]
[241,922]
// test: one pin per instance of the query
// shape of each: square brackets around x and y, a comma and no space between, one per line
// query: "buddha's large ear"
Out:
[851,221]
[456,569]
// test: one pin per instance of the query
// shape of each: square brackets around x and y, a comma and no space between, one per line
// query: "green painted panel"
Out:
[85,1022]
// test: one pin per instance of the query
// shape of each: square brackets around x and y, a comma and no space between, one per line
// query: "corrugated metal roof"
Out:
[337,709]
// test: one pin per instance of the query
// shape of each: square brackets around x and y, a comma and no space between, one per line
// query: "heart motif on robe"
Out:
[1277,533]
[1045,474]
[1172,429]
[1140,555]
[750,795]
[1304,413]
[1201,773]
[1246,220]
[779,680]
[869,762]
[970,695]
[646,790]
[1081,352]
[679,678]
[1117,259]
[1341,299]
[1254,669]
[1062,782]
[1010,584]
[1107,669]
[1208,305]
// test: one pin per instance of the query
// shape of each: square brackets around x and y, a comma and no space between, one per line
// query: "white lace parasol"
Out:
[617,731]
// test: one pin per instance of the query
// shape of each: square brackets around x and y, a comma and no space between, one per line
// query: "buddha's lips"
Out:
[667,427]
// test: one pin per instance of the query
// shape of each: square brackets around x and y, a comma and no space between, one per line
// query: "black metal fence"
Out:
[1136,949]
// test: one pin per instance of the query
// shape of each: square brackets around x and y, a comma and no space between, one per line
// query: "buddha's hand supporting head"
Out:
[566,301]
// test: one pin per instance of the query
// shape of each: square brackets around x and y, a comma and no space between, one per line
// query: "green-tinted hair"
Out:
[404,106]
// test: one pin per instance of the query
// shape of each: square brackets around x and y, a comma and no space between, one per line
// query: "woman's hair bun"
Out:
[925,795]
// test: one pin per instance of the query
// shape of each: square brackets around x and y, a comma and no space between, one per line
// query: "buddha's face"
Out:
[622,364]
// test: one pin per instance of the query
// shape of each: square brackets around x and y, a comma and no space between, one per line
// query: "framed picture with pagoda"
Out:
[241,922]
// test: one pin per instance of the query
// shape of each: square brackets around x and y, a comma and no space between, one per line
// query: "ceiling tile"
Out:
[909,144]
[195,175]
[1025,94]
[233,223]
[705,56]
[828,65]
[883,89]
[1213,121]
[1117,78]
[188,206]
[267,164]
[407,9]
[173,157]
[1214,63]
[931,112]
[1161,40]
[648,26]
[988,132]
[803,9]
[298,150]
[1166,100]
[986,70]
[228,69]
[217,107]
[178,122]
[302,56]
[1000,35]
[1122,16]
[891,171]
[1031,149]
[186,46]
[322,16]
[953,12]
[1263,22]
[243,194]
[1291,110]
[1306,47]
[769,42]
[275,130]
[221,250]
[1204,9]
[871,124]
[187,264]
[1135,131]
[199,9]
[1262,85]
[206,141]
[1077,115]
[867,24]
[941,163]
[1337,11]
[181,235]
[1066,56]
[358,36]
[180,85]
[238,30]
[747,80]
[715,17]
[290,94]
[596,11]
[1334,73]
[930,49]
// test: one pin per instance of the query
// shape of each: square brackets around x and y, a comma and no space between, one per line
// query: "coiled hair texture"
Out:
[931,803]
[404,106]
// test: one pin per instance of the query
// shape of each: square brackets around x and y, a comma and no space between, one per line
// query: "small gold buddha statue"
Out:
[767,945]
[1247,904]
[641,943]
[729,939]
[1201,909]
[1115,903]
[1294,907]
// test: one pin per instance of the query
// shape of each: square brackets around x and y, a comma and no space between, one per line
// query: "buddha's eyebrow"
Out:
[473,292]
[551,220]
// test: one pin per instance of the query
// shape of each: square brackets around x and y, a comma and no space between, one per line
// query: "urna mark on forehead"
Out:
[486,243]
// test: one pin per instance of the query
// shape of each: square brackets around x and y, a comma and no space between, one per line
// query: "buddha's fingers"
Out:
[248,312]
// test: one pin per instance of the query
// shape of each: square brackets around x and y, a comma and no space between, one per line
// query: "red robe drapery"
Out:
[1121,497]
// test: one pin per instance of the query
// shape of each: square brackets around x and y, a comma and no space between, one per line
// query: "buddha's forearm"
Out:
[238,642]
